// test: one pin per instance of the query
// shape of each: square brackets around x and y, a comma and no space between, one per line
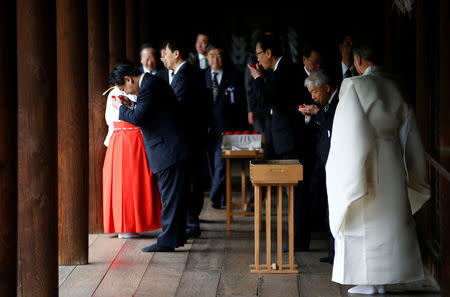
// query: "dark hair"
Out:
[121,69]
[271,42]
[143,47]
[212,46]
[179,44]
[309,47]
[368,47]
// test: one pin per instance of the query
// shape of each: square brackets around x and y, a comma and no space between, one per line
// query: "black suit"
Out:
[281,93]
[313,212]
[166,149]
[189,88]
[163,73]
[228,112]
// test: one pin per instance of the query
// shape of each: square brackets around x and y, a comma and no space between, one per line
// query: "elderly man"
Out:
[375,165]
[319,118]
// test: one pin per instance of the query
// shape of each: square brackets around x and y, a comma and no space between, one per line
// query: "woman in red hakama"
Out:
[131,201]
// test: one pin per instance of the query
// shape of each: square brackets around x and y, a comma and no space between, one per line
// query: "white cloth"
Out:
[112,114]
[370,176]
[203,63]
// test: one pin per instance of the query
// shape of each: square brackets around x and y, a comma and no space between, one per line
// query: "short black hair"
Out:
[309,47]
[121,69]
[368,46]
[272,42]
[179,44]
[143,47]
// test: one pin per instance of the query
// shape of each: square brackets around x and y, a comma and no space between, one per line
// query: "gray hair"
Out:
[318,78]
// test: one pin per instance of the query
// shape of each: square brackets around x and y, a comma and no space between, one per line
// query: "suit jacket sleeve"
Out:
[140,114]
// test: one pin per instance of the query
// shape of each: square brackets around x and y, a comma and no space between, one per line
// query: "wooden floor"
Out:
[216,264]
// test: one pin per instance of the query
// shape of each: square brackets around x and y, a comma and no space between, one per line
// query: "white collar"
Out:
[276,64]
[307,72]
[332,96]
[140,80]
[178,68]
[372,68]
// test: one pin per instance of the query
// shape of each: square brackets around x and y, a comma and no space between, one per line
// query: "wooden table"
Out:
[279,174]
[244,155]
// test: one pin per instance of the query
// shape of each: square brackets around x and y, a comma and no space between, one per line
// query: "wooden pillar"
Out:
[116,31]
[98,68]
[36,138]
[444,142]
[132,32]
[8,148]
[72,129]
[145,8]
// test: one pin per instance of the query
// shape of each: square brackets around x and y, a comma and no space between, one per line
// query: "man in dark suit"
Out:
[155,113]
[281,93]
[148,58]
[189,88]
[345,67]
[226,95]
[319,118]
[164,73]
[198,59]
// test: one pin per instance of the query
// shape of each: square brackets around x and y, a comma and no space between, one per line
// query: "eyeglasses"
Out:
[259,53]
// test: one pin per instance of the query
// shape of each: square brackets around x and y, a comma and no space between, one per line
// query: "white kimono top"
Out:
[376,180]
[112,114]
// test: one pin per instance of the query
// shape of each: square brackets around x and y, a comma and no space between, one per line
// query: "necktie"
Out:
[348,73]
[326,107]
[215,86]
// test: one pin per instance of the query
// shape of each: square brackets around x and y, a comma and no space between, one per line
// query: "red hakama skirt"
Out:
[131,201]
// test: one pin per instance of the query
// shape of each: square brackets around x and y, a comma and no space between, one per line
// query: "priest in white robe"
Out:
[376,181]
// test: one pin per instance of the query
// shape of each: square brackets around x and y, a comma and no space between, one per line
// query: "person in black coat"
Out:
[190,90]
[228,113]
[280,92]
[156,114]
[319,117]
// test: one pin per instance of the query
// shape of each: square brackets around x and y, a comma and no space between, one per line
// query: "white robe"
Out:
[112,114]
[376,162]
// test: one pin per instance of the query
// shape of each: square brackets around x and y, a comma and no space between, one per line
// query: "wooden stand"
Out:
[244,155]
[276,173]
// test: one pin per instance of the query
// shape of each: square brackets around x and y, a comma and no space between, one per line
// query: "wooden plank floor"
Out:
[215,264]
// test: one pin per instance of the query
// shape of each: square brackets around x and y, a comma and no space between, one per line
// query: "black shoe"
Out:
[216,205]
[326,260]
[156,248]
[296,249]
[193,233]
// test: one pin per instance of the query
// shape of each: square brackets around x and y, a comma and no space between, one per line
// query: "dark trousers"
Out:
[197,176]
[217,170]
[173,188]
[310,208]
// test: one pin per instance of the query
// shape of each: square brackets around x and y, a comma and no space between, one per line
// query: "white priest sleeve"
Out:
[351,141]
[414,157]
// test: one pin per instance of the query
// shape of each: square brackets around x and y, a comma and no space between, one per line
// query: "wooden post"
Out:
[8,155]
[144,27]
[117,40]
[72,129]
[444,106]
[98,67]
[132,31]
[36,139]
[268,228]
[228,191]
